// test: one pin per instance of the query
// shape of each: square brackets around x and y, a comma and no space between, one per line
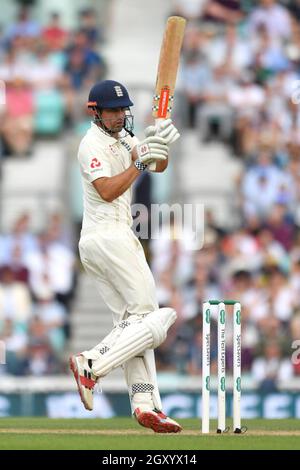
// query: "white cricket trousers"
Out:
[115,258]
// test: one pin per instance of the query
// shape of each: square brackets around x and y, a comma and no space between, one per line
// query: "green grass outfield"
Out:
[126,434]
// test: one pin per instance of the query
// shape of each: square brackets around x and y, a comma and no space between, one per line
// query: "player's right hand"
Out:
[165,129]
[152,148]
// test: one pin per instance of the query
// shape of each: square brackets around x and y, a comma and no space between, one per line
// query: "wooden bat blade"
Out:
[167,67]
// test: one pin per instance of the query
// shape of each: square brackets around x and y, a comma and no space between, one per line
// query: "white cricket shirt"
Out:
[101,155]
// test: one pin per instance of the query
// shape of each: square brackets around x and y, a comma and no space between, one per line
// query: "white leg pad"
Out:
[135,339]
[159,323]
[105,344]
[149,361]
[138,335]
[142,369]
[140,387]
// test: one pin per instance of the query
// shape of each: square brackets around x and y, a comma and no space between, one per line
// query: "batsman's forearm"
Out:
[112,187]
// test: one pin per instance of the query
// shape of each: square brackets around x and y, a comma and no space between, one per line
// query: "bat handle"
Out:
[158,120]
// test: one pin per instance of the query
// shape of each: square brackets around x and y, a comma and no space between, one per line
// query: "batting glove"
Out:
[164,129]
[152,148]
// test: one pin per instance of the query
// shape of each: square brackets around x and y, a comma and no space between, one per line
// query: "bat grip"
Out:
[158,120]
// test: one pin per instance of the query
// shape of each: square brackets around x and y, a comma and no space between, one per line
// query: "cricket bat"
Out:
[167,68]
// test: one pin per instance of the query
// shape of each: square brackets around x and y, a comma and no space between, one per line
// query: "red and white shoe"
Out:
[157,421]
[85,379]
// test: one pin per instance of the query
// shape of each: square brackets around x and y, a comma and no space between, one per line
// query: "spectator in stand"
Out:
[271,252]
[233,49]
[247,100]
[15,64]
[89,25]
[241,250]
[281,226]
[24,27]
[195,76]
[40,359]
[54,35]
[215,114]
[269,55]
[244,287]
[51,267]
[58,231]
[280,304]
[17,265]
[45,74]
[91,56]
[78,72]
[16,342]
[17,120]
[271,368]
[15,300]
[262,178]
[274,17]
[20,238]
[83,68]
[53,316]
[223,11]
[247,97]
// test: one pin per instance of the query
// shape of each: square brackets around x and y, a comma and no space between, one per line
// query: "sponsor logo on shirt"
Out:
[95,163]
[125,144]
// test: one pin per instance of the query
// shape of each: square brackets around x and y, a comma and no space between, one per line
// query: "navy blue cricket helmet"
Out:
[109,94]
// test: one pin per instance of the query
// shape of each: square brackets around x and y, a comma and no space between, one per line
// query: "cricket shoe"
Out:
[157,421]
[86,380]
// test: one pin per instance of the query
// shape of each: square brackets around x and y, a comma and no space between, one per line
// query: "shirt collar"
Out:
[100,134]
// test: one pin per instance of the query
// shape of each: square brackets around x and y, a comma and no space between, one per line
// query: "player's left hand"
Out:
[164,129]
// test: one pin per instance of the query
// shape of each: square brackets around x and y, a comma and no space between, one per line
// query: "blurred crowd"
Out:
[48,71]
[240,85]
[37,285]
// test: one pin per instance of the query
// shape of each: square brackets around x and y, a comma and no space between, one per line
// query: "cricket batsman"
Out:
[111,158]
